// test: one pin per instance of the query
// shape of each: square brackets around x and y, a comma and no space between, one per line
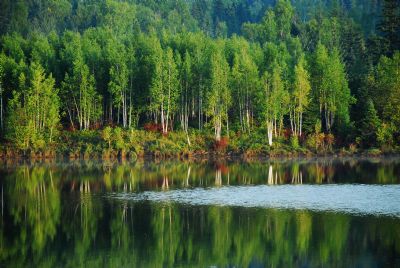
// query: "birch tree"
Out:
[118,83]
[275,102]
[199,78]
[331,86]
[34,111]
[185,98]
[82,102]
[300,96]
[165,89]
[244,81]
[218,97]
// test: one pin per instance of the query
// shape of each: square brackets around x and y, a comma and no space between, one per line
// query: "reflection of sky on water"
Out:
[377,200]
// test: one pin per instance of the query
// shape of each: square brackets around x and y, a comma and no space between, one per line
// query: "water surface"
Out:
[304,213]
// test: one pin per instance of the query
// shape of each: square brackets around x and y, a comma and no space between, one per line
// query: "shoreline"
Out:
[195,157]
[141,144]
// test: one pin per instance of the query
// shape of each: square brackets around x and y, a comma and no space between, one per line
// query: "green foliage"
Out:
[118,138]
[385,86]
[33,115]
[106,135]
[192,65]
[294,142]
[389,24]
[300,96]
[164,89]
[218,98]
[331,87]
[385,136]
[370,125]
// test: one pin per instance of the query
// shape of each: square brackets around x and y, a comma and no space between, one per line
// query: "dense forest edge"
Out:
[178,78]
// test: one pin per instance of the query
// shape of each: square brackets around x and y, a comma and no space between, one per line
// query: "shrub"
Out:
[106,136]
[118,138]
[294,142]
[221,145]
[385,136]
[152,127]
[329,141]
[374,152]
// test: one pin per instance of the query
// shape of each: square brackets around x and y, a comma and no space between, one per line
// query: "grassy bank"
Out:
[112,143]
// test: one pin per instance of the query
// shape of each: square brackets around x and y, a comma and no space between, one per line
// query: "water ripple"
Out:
[377,200]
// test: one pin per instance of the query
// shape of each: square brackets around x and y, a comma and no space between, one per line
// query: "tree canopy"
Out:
[279,67]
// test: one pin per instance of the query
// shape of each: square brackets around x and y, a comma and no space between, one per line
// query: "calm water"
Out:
[319,213]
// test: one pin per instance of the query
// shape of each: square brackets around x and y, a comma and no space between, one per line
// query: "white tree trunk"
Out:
[270,131]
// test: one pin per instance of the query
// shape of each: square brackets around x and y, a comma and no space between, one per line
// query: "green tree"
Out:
[390,23]
[165,89]
[370,125]
[244,85]
[186,97]
[331,87]
[218,97]
[81,100]
[385,89]
[275,102]
[300,96]
[33,113]
[119,78]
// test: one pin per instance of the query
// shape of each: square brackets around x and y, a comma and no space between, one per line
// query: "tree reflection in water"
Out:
[58,215]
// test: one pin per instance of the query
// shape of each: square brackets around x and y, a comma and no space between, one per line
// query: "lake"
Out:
[327,212]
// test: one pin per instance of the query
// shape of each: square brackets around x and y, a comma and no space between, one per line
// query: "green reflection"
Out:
[33,199]
[59,215]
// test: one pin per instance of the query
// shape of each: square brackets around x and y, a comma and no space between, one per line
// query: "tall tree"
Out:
[81,100]
[331,87]
[244,81]
[165,88]
[218,98]
[275,102]
[185,78]
[390,23]
[300,96]
[33,112]
[385,89]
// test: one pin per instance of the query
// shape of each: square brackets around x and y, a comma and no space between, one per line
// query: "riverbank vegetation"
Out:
[129,78]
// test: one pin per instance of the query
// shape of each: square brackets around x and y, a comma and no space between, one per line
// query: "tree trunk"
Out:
[270,131]
[218,126]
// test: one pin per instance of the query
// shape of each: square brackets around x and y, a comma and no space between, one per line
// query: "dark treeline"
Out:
[304,69]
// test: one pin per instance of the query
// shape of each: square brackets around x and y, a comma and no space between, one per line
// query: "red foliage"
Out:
[223,168]
[152,127]
[329,139]
[287,133]
[71,128]
[221,144]
[96,126]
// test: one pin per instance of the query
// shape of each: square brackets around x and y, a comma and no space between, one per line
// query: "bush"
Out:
[294,142]
[385,136]
[152,127]
[221,145]
[250,144]
[106,136]
[118,138]
[373,152]
[329,141]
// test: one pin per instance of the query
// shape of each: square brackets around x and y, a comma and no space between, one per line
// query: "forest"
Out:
[171,77]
